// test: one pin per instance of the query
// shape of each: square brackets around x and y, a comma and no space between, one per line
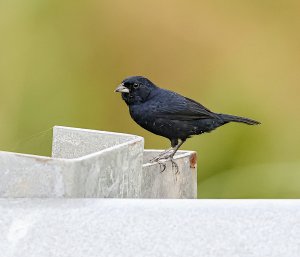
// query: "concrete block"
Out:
[89,163]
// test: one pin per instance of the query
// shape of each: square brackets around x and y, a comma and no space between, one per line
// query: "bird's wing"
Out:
[177,107]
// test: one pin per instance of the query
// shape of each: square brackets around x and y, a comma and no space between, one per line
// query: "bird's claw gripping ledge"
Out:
[163,165]
[162,159]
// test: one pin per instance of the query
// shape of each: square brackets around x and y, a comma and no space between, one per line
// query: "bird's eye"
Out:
[135,86]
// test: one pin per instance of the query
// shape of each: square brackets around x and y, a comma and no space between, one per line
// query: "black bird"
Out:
[169,114]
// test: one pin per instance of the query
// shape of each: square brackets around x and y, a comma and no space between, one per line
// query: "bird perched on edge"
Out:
[169,114]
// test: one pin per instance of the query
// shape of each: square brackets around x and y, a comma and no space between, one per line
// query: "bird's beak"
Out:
[122,89]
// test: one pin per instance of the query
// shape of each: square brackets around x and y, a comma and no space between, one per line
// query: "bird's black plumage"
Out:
[169,114]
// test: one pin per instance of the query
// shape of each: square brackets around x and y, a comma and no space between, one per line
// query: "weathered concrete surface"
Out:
[33,176]
[106,164]
[86,163]
[71,143]
[134,227]
[89,163]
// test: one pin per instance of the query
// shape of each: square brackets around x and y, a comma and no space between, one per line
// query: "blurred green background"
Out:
[60,62]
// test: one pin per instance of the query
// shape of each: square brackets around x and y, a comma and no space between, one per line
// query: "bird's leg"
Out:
[161,155]
[176,148]
[170,157]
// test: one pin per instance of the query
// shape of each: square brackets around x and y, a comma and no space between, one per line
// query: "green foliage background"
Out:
[60,62]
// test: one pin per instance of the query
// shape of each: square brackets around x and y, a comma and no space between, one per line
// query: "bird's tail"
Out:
[231,118]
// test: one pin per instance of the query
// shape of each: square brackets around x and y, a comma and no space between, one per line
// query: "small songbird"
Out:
[169,114]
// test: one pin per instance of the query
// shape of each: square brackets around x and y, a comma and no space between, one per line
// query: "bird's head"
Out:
[135,89]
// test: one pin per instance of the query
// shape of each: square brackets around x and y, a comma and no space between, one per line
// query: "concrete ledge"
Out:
[89,163]
[133,227]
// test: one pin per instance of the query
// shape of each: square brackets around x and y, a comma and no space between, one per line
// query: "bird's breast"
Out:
[139,113]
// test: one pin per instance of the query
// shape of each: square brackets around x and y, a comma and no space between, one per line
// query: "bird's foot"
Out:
[163,165]
[161,160]
[162,156]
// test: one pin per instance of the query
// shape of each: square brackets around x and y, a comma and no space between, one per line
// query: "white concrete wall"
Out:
[147,227]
